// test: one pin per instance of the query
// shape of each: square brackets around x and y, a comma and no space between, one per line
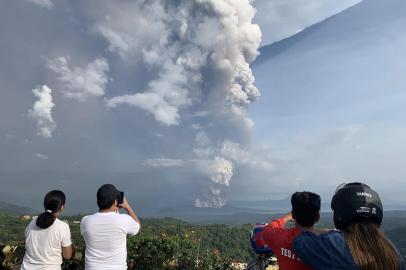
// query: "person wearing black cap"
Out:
[358,243]
[105,232]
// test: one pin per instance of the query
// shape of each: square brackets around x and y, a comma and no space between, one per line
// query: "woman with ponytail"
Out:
[48,239]
[358,243]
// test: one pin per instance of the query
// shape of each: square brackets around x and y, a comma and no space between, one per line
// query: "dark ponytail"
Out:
[53,202]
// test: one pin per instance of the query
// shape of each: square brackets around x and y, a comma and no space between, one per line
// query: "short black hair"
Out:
[104,204]
[306,208]
[106,196]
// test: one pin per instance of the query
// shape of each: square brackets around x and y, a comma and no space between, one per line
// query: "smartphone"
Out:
[120,198]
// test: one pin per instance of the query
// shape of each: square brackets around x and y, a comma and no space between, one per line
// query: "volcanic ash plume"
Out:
[200,51]
[218,164]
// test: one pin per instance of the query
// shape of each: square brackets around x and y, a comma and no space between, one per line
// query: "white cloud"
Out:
[124,27]
[195,126]
[9,136]
[281,19]
[43,3]
[42,111]
[163,162]
[117,43]
[78,82]
[84,136]
[342,134]
[200,114]
[42,156]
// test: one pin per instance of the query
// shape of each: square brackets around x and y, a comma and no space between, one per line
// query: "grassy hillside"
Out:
[161,242]
[164,239]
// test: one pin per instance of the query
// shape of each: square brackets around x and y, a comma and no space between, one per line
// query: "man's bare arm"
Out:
[125,205]
[288,217]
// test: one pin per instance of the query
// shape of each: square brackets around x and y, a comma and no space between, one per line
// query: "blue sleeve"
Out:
[402,262]
[325,251]
[310,249]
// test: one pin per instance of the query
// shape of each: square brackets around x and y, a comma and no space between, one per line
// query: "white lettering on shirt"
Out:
[289,254]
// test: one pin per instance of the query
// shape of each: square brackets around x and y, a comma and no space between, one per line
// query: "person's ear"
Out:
[318,217]
[293,215]
[62,208]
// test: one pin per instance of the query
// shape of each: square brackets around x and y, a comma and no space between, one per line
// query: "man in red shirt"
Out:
[305,213]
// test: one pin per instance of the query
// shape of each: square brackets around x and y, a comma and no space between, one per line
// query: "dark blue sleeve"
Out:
[402,262]
[325,251]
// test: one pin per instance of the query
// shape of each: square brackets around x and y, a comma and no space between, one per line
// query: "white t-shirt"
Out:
[43,247]
[105,235]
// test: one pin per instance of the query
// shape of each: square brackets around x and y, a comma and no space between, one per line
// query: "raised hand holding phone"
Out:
[124,204]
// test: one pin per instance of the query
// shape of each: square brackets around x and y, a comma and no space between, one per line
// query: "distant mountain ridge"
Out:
[349,23]
[15,209]
[282,205]
[285,205]
[274,205]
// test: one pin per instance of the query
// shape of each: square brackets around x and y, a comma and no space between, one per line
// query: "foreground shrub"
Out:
[172,252]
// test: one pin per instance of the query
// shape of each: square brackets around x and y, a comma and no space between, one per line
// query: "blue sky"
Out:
[332,105]
[175,103]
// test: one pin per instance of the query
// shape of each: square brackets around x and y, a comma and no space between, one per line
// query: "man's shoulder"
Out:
[113,217]
[85,218]
[123,220]
[88,218]
[94,215]
[125,217]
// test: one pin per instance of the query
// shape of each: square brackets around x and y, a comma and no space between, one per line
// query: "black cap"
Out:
[356,200]
[106,195]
